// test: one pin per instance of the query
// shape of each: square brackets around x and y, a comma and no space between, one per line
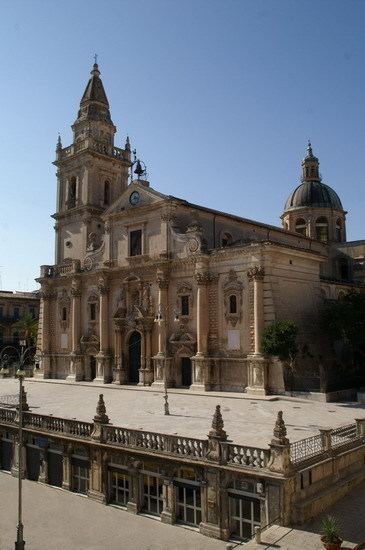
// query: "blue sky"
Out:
[218,97]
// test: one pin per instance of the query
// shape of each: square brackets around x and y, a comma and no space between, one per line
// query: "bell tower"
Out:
[91,174]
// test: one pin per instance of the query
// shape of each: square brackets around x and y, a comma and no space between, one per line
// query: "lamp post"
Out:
[20,543]
[4,358]
[159,319]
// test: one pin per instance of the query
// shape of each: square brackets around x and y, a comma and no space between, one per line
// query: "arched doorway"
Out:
[186,378]
[134,349]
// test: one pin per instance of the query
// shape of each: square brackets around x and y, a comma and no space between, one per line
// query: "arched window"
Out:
[233,303]
[64,314]
[322,229]
[301,226]
[72,192]
[106,193]
[226,239]
[338,230]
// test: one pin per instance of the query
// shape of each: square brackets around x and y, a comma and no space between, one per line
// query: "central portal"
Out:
[134,357]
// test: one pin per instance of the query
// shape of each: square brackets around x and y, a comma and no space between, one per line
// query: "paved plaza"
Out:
[247,420]
[61,520]
[349,512]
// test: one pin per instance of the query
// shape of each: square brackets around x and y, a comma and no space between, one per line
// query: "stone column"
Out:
[43,467]
[45,359]
[96,490]
[103,358]
[257,364]
[134,503]
[200,363]
[75,359]
[120,375]
[168,514]
[161,361]
[67,468]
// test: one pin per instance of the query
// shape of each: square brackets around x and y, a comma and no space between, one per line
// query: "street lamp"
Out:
[159,319]
[20,373]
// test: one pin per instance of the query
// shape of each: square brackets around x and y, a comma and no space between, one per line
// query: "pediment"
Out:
[136,195]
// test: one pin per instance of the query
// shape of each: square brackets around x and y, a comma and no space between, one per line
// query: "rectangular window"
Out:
[92,312]
[152,494]
[32,312]
[135,243]
[80,477]
[119,489]
[244,515]
[16,313]
[184,305]
[189,505]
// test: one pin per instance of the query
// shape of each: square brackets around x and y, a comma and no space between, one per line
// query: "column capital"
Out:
[256,273]
[202,278]
[102,286]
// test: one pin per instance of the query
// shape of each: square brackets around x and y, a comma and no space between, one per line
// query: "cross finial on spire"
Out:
[95,58]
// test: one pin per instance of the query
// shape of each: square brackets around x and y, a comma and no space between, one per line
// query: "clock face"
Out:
[134,198]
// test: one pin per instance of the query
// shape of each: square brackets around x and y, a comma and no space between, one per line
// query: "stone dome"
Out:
[313,194]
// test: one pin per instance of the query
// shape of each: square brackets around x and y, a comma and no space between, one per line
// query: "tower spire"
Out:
[310,165]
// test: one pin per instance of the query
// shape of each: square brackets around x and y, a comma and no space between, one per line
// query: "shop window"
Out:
[189,504]
[80,477]
[135,242]
[301,226]
[152,494]
[322,230]
[244,515]
[119,490]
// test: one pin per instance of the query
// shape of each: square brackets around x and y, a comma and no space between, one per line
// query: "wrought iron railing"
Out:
[343,435]
[305,449]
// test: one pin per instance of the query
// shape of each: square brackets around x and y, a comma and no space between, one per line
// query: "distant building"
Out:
[149,288]
[15,306]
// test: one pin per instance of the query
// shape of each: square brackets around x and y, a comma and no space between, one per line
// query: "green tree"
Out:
[28,329]
[280,339]
[344,320]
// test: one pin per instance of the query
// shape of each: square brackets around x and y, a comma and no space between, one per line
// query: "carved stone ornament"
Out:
[75,288]
[217,430]
[256,273]
[162,281]
[280,431]
[102,286]
[203,278]
[101,415]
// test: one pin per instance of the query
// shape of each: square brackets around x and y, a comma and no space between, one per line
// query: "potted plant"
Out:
[331,539]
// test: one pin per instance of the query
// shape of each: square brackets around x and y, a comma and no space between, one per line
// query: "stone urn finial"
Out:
[280,431]
[101,415]
[217,430]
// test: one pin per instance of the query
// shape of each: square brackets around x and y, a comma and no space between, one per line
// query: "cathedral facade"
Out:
[150,289]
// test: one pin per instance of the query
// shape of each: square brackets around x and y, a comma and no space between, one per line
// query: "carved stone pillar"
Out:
[66,466]
[256,363]
[44,370]
[256,275]
[103,373]
[135,502]
[214,507]
[168,514]
[97,487]
[75,358]
[161,361]
[43,466]
[200,362]
[120,373]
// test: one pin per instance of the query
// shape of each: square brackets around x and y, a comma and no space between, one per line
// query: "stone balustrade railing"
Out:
[103,148]
[173,445]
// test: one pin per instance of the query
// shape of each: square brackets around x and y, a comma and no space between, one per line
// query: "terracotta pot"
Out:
[331,545]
